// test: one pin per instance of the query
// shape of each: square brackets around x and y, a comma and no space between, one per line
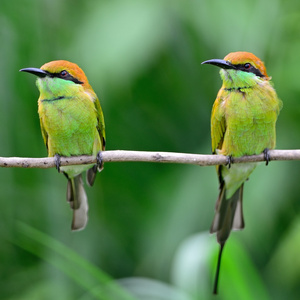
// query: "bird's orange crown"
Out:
[240,58]
[57,66]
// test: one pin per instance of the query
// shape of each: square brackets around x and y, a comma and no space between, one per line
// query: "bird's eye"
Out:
[63,73]
[247,66]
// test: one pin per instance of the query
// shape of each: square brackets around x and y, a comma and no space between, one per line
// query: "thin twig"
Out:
[144,156]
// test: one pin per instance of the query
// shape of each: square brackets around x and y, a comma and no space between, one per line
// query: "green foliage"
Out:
[90,278]
[148,223]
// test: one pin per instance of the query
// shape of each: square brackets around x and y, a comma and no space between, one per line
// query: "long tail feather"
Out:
[228,216]
[77,198]
[215,291]
[238,220]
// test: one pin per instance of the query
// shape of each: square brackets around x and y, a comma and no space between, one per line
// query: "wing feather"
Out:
[101,125]
[218,124]
[44,133]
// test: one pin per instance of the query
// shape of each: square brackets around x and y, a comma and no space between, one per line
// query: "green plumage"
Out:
[72,124]
[243,122]
[69,122]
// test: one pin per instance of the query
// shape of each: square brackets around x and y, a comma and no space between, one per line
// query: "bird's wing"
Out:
[101,125]
[91,173]
[218,124]
[44,133]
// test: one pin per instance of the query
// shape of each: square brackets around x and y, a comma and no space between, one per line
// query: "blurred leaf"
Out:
[195,263]
[192,263]
[286,259]
[121,37]
[74,266]
[147,289]
[143,60]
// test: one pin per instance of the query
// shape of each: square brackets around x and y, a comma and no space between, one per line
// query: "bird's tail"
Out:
[77,198]
[228,216]
[92,172]
[91,175]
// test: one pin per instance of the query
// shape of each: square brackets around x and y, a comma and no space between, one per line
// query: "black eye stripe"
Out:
[66,76]
[249,69]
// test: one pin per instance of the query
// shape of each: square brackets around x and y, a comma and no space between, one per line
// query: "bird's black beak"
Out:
[35,71]
[219,63]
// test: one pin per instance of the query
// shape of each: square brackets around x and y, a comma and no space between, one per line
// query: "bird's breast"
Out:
[70,124]
[250,116]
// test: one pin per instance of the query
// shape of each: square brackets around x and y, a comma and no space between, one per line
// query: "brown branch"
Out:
[144,156]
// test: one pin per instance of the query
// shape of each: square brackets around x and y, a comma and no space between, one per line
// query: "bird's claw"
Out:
[267,156]
[57,162]
[99,160]
[229,161]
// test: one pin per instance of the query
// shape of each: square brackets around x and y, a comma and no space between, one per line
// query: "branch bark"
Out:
[144,156]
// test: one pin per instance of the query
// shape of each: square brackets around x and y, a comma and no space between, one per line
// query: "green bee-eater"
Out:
[242,123]
[72,124]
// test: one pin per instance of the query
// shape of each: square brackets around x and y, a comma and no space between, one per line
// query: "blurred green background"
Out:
[147,236]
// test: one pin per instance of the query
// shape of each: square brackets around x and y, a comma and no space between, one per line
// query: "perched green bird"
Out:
[72,124]
[242,123]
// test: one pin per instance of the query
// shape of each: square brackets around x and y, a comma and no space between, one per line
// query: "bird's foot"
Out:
[229,161]
[267,156]
[57,162]
[99,161]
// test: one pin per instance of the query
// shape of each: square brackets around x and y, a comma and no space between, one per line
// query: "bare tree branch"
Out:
[144,156]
